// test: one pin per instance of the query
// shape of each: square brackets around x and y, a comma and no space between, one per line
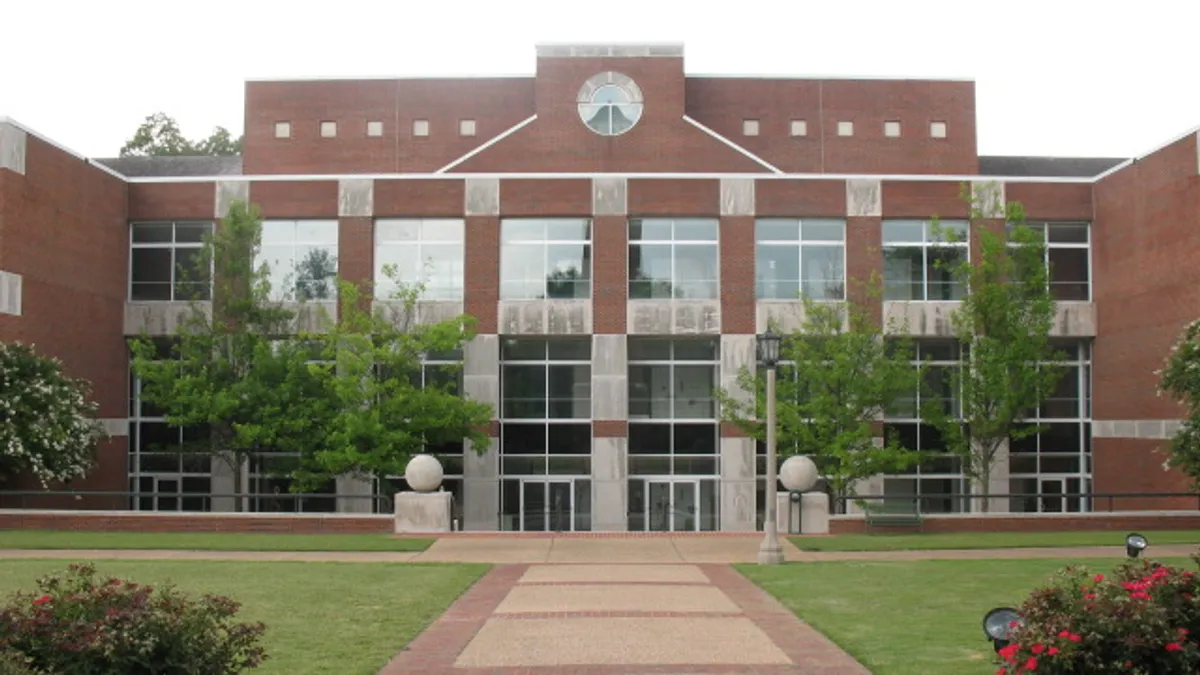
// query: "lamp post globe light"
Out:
[770,552]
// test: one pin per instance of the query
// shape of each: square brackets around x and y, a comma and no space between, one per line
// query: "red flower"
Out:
[1064,633]
[1002,671]
[1009,653]
[42,600]
[1090,596]
[1031,664]
[1052,651]
[1038,648]
[1183,631]
[1074,638]
[1098,578]
[1174,647]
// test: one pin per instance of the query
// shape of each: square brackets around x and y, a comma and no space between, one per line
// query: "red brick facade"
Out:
[64,223]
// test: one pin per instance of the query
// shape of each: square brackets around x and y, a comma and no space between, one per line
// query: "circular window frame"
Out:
[585,101]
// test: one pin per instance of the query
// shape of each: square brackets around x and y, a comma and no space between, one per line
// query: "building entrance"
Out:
[547,505]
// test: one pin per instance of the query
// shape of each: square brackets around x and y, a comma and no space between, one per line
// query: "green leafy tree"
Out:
[1180,377]
[159,136]
[383,412]
[1003,326]
[838,376]
[47,423]
[231,369]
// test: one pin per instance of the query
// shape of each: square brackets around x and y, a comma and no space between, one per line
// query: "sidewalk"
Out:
[681,549]
[583,619]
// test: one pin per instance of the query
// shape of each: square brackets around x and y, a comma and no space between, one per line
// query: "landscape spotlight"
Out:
[1135,544]
[998,625]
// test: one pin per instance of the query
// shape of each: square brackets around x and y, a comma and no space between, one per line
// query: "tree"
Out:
[1180,377]
[382,412]
[47,424]
[229,371]
[159,136]
[1003,326]
[838,377]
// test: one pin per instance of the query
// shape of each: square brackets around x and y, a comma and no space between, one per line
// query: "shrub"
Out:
[1143,620]
[84,625]
[15,663]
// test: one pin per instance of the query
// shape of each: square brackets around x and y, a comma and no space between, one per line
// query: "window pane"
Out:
[650,229]
[695,350]
[778,268]
[695,439]
[695,271]
[524,392]
[776,229]
[569,439]
[391,231]
[649,392]
[569,268]
[1069,274]
[568,229]
[151,265]
[824,275]
[1068,233]
[316,269]
[527,349]
[522,230]
[523,439]
[903,231]
[150,233]
[942,283]
[523,272]
[649,439]
[694,387]
[570,392]
[650,271]
[649,349]
[192,279]
[699,229]
[317,232]
[570,349]
[824,230]
[191,233]
[448,230]
[903,273]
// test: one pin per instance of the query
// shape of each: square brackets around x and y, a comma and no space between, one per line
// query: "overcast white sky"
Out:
[1053,77]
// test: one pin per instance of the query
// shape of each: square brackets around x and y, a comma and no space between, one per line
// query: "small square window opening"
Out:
[374,128]
[749,127]
[891,129]
[283,130]
[328,129]
[845,128]
[466,127]
[799,128]
[420,127]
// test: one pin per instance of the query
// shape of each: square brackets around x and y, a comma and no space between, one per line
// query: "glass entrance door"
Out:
[541,505]
[671,506]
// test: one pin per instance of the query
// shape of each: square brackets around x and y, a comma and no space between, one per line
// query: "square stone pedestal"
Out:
[808,516]
[422,512]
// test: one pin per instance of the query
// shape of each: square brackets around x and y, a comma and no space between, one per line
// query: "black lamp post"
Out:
[770,552]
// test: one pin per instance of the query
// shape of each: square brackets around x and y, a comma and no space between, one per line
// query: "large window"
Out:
[302,256]
[673,434]
[165,261]
[673,258]
[162,477]
[1069,256]
[797,257]
[426,253]
[545,258]
[939,475]
[1054,466]
[918,260]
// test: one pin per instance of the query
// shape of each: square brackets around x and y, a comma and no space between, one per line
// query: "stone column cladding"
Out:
[738,466]
[481,470]
[610,433]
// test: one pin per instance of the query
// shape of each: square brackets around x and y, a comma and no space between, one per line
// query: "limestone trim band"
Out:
[10,293]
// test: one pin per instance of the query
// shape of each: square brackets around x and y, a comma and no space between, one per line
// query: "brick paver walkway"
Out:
[579,619]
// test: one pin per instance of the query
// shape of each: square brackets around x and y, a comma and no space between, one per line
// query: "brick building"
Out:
[620,230]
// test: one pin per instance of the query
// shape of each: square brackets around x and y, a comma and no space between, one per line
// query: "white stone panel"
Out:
[356,197]
[227,192]
[864,198]
[13,141]
[737,196]
[610,196]
[482,197]
[11,293]
[673,317]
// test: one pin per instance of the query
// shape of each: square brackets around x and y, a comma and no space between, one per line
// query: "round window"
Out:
[610,104]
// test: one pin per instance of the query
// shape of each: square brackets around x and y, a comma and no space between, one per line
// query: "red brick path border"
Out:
[434,651]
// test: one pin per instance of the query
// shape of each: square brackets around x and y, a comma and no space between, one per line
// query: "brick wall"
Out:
[1118,524]
[65,232]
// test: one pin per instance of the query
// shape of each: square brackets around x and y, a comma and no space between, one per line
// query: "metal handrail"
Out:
[379,503]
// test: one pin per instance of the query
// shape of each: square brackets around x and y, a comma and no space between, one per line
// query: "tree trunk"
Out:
[985,479]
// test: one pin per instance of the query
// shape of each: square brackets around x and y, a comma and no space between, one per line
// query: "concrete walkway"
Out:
[619,619]
[683,549]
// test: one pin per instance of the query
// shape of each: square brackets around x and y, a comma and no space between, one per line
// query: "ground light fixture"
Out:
[998,625]
[1135,544]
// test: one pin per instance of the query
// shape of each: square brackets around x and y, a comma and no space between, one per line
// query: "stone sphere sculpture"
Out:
[798,473]
[423,473]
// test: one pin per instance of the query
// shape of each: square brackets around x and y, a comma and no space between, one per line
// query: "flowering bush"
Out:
[47,424]
[1143,620]
[15,663]
[79,624]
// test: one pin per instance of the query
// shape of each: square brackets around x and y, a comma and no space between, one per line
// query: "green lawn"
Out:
[334,618]
[901,542]
[911,618]
[203,541]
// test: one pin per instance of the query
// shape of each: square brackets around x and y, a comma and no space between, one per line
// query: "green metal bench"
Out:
[893,513]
